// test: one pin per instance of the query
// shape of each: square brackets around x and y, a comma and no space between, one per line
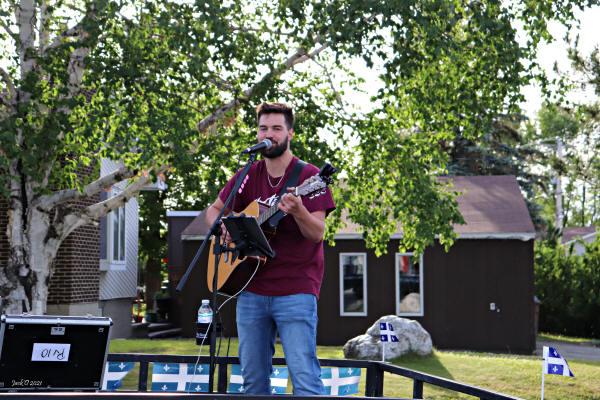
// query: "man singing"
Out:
[282,296]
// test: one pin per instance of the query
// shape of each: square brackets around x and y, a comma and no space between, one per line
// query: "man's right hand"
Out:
[225,234]
[212,212]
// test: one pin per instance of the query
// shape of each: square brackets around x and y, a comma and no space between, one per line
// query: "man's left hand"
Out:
[291,204]
[312,225]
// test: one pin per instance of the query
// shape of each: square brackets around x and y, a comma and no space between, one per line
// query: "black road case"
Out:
[46,352]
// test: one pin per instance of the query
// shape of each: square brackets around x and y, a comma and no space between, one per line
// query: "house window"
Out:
[353,284]
[117,234]
[112,238]
[409,284]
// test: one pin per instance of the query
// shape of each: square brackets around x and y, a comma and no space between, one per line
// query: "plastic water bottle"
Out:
[205,316]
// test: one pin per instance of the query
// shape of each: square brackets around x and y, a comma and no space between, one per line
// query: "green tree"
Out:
[567,285]
[502,150]
[575,130]
[589,164]
[166,86]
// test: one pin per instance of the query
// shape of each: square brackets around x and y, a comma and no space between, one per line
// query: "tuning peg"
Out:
[327,170]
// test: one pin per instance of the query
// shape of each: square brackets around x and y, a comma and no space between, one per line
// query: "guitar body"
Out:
[233,274]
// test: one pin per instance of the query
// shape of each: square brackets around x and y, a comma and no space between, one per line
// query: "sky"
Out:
[556,52]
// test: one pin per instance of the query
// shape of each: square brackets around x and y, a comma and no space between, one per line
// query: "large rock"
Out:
[412,338]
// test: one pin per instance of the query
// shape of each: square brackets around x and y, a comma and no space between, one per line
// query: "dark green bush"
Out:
[569,288]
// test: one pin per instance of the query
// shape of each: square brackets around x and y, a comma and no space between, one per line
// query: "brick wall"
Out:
[76,274]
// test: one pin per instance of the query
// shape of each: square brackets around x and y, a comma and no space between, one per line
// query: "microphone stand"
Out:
[218,250]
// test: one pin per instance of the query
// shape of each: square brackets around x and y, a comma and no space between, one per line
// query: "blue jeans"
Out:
[295,318]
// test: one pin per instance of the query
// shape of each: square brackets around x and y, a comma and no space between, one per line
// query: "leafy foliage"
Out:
[567,285]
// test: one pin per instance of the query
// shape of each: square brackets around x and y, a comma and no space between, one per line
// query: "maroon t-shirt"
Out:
[298,263]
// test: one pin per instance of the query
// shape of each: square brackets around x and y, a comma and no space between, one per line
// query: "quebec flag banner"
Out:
[114,373]
[179,377]
[279,380]
[555,364]
[340,381]
[386,330]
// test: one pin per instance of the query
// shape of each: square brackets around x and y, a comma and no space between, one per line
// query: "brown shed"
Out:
[478,296]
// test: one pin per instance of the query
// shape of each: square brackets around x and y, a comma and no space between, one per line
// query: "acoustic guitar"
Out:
[235,272]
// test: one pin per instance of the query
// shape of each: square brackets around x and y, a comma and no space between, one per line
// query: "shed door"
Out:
[497,323]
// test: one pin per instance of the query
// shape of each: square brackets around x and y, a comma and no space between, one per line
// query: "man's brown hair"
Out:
[276,108]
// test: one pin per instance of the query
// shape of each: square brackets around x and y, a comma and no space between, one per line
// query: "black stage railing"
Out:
[375,371]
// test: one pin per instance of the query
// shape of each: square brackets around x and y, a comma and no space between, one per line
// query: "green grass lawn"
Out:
[574,340]
[514,375]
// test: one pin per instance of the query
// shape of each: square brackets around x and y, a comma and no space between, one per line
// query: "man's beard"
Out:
[276,150]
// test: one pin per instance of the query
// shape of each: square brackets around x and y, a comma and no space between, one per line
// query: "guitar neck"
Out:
[268,213]
[312,187]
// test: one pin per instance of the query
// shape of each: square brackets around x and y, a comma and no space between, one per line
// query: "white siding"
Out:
[115,283]
[578,246]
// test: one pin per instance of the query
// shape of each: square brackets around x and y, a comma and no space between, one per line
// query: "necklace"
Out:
[274,185]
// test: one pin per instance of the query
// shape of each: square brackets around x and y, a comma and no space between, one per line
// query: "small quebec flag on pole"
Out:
[386,330]
[554,364]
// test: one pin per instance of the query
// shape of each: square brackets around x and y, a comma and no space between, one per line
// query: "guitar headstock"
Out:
[327,170]
[316,185]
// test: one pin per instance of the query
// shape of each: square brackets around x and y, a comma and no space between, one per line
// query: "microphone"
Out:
[265,144]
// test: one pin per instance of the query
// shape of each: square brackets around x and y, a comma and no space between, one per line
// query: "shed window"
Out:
[353,284]
[409,284]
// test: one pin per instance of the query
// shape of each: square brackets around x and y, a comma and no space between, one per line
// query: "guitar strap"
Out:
[291,181]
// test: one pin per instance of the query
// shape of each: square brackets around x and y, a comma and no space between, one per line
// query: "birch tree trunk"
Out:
[27,270]
[33,243]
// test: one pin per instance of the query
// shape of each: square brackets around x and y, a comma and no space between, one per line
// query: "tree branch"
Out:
[98,210]
[9,83]
[76,31]
[49,201]
[5,26]
[338,97]
[76,68]
[26,21]
[73,32]
[298,57]
[44,18]
[234,28]
[221,83]
[74,219]
[75,8]
[4,101]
